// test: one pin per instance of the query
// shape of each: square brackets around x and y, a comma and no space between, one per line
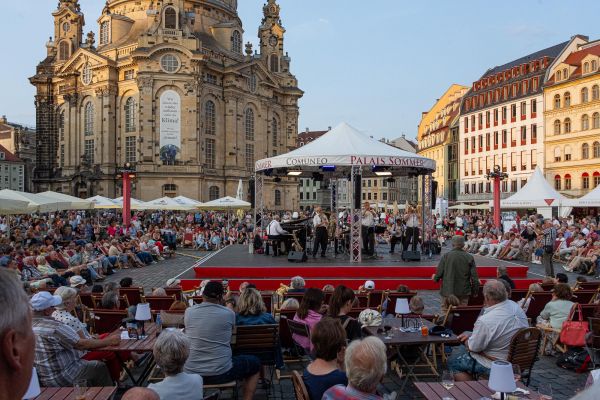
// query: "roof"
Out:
[537,192]
[8,156]
[576,59]
[552,52]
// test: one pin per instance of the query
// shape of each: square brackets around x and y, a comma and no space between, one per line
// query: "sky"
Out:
[375,64]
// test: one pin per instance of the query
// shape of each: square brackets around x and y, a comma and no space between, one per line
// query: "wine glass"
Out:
[387,329]
[516,372]
[448,380]
[545,391]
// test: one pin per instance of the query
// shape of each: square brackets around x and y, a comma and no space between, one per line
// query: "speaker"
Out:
[411,255]
[434,189]
[357,194]
[297,256]
[251,192]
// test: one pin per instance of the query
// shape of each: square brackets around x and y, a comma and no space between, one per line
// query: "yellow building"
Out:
[434,133]
[572,120]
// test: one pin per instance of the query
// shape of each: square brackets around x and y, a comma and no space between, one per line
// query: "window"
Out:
[375,196]
[129,75]
[169,63]
[62,155]
[596,149]
[595,92]
[369,196]
[496,138]
[472,122]
[513,186]
[523,182]
[495,116]
[567,125]
[523,109]
[585,181]
[567,182]
[557,182]
[513,111]
[86,74]
[480,187]
[104,33]
[503,113]
[213,193]
[473,188]
[466,145]
[586,68]
[584,95]
[236,42]
[61,125]
[169,190]
[596,121]
[209,153]
[585,122]
[523,134]
[594,65]
[274,63]
[533,106]
[480,140]
[252,83]
[596,179]
[130,114]
[556,101]
[585,151]
[210,119]
[277,197]
[249,124]
[130,149]
[88,150]
[64,50]
[533,133]
[249,157]
[557,154]
[504,137]
[275,131]
[170,18]
[487,140]
[466,188]
[565,73]
[567,99]
[211,79]
[558,75]
[567,153]
[557,127]
[384,196]
[533,159]
[88,119]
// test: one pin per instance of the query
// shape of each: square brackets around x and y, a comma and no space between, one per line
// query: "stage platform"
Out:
[235,264]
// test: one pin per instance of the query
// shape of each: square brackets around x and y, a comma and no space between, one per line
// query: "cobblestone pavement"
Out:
[564,383]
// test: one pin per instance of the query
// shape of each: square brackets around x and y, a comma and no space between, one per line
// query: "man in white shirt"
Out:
[277,233]
[320,222]
[491,336]
[368,229]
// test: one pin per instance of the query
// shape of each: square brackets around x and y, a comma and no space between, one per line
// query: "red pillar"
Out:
[126,200]
[497,202]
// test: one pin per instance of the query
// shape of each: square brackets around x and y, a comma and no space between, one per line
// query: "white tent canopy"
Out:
[100,202]
[592,199]
[535,194]
[186,201]
[167,204]
[10,206]
[346,146]
[75,202]
[37,202]
[226,203]
[135,204]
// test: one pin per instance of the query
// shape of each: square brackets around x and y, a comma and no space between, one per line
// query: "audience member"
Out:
[556,311]
[502,273]
[140,393]
[416,305]
[297,285]
[339,306]
[309,313]
[251,309]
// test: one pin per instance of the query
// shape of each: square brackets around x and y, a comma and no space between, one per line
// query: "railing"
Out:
[126,51]
[171,32]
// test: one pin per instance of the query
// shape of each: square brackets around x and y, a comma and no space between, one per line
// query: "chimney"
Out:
[328,128]
[307,130]
[3,119]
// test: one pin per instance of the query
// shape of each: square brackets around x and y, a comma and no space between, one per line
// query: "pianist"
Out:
[277,233]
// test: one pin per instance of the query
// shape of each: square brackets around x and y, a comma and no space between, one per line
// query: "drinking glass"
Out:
[545,391]
[80,389]
[516,372]
[387,329]
[448,379]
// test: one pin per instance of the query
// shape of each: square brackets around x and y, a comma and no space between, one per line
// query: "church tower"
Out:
[271,35]
[68,29]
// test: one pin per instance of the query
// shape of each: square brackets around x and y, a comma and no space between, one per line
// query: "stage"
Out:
[267,272]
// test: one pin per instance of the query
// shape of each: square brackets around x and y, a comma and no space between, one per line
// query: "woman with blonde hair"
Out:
[251,309]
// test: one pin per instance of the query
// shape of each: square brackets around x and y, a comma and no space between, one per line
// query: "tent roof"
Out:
[168,204]
[536,193]
[592,199]
[135,204]
[101,202]
[346,146]
[186,201]
[225,203]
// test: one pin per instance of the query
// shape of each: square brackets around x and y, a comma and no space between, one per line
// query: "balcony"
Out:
[174,33]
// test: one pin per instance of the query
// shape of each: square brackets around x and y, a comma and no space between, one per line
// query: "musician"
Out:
[368,229]
[332,231]
[321,223]
[396,233]
[412,222]
[276,232]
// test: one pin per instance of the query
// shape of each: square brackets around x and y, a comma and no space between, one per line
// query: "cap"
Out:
[173,282]
[44,300]
[4,261]
[213,290]
[369,285]
[77,280]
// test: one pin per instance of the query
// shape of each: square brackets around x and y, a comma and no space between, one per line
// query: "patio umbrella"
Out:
[101,202]
[186,201]
[135,204]
[167,204]
[240,191]
[37,202]
[11,206]
[461,206]
[226,203]
[75,203]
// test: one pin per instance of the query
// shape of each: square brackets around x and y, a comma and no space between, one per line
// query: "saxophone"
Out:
[297,245]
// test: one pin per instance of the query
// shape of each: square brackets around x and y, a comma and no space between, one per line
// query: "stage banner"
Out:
[170,126]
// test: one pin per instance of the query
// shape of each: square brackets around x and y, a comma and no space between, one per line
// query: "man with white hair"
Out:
[16,338]
[366,364]
[297,285]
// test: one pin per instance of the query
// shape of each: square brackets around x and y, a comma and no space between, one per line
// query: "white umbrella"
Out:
[11,206]
[167,204]
[75,202]
[461,206]
[101,202]
[240,191]
[135,204]
[186,201]
[37,202]
[226,203]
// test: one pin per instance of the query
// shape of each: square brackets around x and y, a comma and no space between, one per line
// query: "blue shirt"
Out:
[316,385]
[261,319]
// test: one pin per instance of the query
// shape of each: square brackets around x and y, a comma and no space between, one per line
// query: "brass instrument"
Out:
[297,246]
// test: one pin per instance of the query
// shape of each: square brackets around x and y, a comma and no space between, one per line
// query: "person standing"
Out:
[368,229]
[458,273]
[320,222]
[548,239]
[412,229]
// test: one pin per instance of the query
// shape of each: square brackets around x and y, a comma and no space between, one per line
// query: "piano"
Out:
[301,229]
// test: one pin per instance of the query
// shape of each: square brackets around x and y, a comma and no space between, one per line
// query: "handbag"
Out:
[573,332]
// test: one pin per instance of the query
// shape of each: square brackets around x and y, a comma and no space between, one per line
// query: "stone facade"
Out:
[168,87]
[572,115]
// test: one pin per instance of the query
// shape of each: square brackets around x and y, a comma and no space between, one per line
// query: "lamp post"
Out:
[497,176]
[127,173]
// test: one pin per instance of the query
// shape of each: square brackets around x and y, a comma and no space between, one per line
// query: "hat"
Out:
[213,290]
[44,300]
[173,282]
[4,261]
[77,280]
[369,285]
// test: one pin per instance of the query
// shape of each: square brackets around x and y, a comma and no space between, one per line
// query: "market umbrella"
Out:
[167,204]
[461,206]
[75,202]
[37,202]
[226,203]
[135,204]
[101,202]
[186,201]
[240,191]
[12,206]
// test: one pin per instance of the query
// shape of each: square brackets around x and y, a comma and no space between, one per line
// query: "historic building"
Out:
[502,122]
[434,136]
[19,141]
[572,119]
[12,171]
[167,86]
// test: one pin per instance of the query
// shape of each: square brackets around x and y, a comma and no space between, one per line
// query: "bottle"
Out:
[158,325]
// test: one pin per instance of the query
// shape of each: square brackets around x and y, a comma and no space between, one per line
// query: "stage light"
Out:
[328,168]
[294,173]
[383,173]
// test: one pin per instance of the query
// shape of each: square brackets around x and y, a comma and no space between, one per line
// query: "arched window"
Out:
[88,119]
[210,120]
[557,127]
[558,75]
[567,125]
[596,179]
[277,197]
[249,124]
[275,131]
[596,149]
[594,65]
[585,122]
[274,63]
[595,92]
[213,193]
[565,73]
[567,99]
[585,180]
[596,121]
[104,33]
[584,95]
[170,18]
[130,114]
[557,154]
[236,42]
[556,101]
[567,182]
[585,151]
[64,50]
[586,67]
[169,190]
[557,182]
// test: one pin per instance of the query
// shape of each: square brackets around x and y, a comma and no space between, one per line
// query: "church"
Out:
[169,87]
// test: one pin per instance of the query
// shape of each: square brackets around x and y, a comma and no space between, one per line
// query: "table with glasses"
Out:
[145,345]
[67,393]
[470,390]
[397,340]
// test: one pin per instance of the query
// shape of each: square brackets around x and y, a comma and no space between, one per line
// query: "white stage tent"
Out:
[75,203]
[592,199]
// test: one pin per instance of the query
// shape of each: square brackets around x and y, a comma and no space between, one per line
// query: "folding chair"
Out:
[300,329]
[159,303]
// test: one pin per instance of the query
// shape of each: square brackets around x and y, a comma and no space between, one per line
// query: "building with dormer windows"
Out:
[502,122]
[170,87]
